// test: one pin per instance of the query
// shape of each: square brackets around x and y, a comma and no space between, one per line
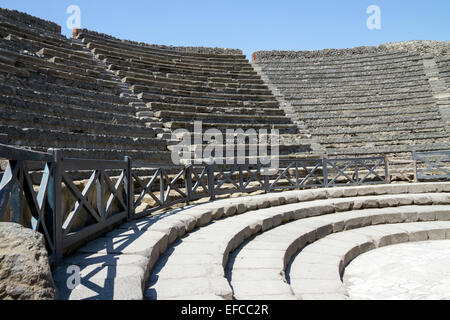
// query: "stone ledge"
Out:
[228,235]
[437,47]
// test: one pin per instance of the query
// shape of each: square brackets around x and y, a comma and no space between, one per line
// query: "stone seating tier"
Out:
[138,62]
[437,48]
[143,84]
[141,57]
[315,273]
[64,96]
[157,106]
[150,98]
[360,101]
[226,224]
[136,66]
[413,102]
[23,18]
[355,62]
[197,53]
[444,69]
[413,80]
[216,94]
[175,79]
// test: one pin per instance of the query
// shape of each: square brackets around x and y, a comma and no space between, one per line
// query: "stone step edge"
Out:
[307,231]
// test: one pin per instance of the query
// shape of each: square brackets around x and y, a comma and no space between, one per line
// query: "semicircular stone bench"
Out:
[257,269]
[316,272]
[118,265]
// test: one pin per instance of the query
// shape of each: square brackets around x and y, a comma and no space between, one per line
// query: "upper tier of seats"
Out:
[360,101]
[53,93]
[96,96]
[181,85]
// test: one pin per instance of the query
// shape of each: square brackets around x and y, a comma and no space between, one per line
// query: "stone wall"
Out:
[366,100]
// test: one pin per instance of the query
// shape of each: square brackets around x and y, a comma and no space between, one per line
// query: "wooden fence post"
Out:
[55,194]
[129,188]
[387,169]
[188,182]
[325,172]
[211,181]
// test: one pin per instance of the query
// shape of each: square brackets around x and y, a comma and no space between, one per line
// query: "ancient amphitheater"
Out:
[87,141]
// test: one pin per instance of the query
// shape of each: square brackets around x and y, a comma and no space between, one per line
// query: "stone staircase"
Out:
[55,94]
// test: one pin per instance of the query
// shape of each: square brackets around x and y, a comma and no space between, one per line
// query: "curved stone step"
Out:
[336,59]
[141,83]
[147,57]
[33,137]
[42,121]
[248,120]
[360,66]
[150,97]
[349,93]
[70,96]
[268,255]
[66,110]
[201,94]
[210,246]
[158,106]
[239,230]
[171,52]
[396,105]
[399,69]
[411,79]
[353,78]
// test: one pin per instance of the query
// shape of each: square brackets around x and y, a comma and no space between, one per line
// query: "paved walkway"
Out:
[410,271]
[195,242]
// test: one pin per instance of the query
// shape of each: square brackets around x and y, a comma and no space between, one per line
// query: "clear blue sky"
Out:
[252,25]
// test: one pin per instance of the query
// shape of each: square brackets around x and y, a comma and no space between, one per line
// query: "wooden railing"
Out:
[43,190]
